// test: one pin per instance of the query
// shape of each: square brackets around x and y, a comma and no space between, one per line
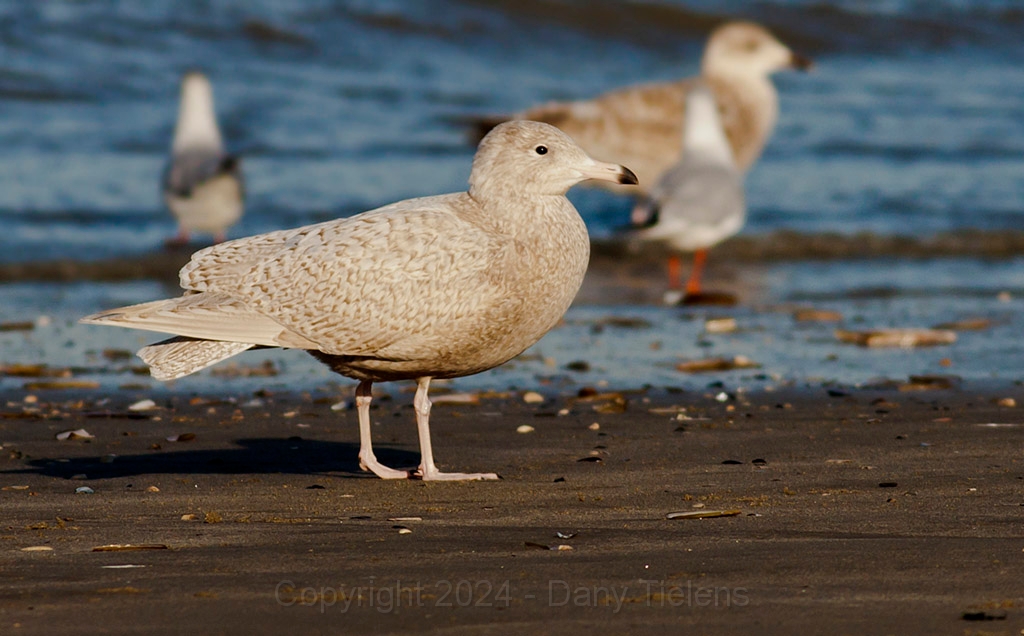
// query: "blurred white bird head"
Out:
[748,49]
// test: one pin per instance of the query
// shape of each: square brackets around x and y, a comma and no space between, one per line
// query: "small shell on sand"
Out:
[78,433]
[817,315]
[456,398]
[720,325]
[702,514]
[716,364]
[903,338]
[142,405]
[967,324]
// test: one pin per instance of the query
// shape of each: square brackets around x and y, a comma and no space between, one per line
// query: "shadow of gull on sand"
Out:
[255,456]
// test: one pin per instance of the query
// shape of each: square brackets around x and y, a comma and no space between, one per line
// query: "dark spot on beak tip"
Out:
[627,177]
[801,62]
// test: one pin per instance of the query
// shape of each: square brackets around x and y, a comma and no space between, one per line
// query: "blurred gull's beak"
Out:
[801,63]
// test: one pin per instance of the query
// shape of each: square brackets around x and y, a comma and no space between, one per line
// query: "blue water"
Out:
[910,123]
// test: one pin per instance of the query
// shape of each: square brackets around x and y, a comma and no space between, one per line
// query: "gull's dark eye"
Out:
[541,150]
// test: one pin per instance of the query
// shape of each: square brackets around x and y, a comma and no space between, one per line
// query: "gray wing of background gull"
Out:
[699,201]
[694,206]
[189,170]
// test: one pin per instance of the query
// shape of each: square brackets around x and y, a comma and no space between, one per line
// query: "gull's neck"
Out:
[197,122]
[703,132]
[757,100]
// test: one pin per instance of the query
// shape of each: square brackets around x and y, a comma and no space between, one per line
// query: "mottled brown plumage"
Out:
[436,287]
[642,126]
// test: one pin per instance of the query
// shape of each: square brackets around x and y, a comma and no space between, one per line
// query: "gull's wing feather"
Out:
[365,285]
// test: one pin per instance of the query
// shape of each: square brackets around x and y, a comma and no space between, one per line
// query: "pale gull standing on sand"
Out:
[437,287]
[642,126]
[699,201]
[202,184]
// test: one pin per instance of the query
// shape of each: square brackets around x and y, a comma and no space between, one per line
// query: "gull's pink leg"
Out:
[428,471]
[178,240]
[367,460]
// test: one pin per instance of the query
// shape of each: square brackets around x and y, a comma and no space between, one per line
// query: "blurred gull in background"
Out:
[699,201]
[202,184]
[642,126]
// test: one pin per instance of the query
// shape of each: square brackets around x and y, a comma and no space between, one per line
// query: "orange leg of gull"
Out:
[367,460]
[675,272]
[428,471]
[178,240]
[693,285]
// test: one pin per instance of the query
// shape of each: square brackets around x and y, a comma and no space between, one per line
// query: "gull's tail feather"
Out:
[180,356]
[204,316]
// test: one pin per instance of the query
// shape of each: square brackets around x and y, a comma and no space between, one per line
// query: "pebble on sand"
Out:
[532,397]
[524,428]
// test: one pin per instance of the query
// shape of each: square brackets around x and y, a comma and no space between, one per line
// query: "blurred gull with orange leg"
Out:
[697,203]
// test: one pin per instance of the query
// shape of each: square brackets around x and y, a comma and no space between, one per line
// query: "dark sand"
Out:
[873,512]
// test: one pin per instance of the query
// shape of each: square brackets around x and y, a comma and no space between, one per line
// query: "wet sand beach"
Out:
[608,255]
[851,511]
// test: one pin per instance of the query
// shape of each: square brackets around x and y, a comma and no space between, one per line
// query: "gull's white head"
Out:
[747,49]
[531,158]
[197,121]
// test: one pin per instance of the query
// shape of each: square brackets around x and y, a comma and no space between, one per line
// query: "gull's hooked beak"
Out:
[610,172]
[800,62]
